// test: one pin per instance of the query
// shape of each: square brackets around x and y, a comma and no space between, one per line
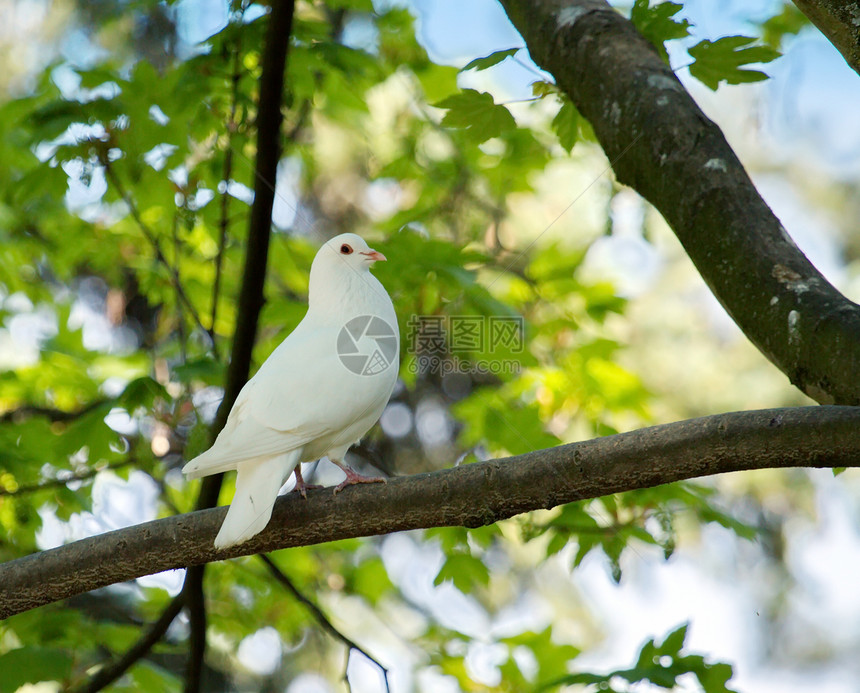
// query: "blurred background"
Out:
[126,174]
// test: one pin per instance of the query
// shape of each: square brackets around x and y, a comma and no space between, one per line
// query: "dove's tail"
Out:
[257,484]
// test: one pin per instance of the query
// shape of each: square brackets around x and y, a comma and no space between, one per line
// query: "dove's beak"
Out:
[374,256]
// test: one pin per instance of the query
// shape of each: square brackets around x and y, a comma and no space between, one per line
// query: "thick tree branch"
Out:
[471,495]
[680,161]
[195,603]
[839,21]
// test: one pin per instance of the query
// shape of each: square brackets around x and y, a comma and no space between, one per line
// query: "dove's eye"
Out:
[346,249]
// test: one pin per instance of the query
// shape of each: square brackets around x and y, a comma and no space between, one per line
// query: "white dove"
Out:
[316,395]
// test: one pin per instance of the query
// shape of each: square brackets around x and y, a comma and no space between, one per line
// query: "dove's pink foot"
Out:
[301,486]
[356,478]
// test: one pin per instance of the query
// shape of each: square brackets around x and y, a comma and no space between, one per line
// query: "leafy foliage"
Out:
[478,113]
[787,22]
[31,665]
[662,665]
[657,23]
[125,185]
[723,60]
[566,124]
[491,59]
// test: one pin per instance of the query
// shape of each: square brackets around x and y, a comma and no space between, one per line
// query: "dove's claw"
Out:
[301,486]
[356,478]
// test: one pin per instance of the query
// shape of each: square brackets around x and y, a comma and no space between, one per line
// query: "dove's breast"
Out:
[329,381]
[360,379]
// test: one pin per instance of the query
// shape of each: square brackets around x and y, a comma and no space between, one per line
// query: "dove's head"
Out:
[346,251]
[341,267]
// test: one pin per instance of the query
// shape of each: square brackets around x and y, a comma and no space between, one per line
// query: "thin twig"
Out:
[183,351]
[153,241]
[54,415]
[323,620]
[77,476]
[155,632]
[300,121]
[528,100]
[226,174]
[530,68]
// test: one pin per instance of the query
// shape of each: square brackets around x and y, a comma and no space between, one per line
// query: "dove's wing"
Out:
[304,386]
[295,389]
[302,393]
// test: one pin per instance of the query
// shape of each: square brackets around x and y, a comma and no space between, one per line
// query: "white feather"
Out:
[257,484]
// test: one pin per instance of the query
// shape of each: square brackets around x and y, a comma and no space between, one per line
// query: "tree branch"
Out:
[680,161]
[150,236]
[470,495]
[226,175]
[321,618]
[839,21]
[180,318]
[111,672]
[192,592]
[27,411]
[68,478]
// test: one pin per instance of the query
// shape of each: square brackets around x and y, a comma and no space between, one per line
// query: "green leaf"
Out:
[437,81]
[477,113]
[556,544]
[656,23]
[673,642]
[205,369]
[371,580]
[722,60]
[542,88]
[552,658]
[490,60]
[582,679]
[89,431]
[661,665]
[566,124]
[32,665]
[465,571]
[790,21]
[149,677]
[503,425]
[141,392]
